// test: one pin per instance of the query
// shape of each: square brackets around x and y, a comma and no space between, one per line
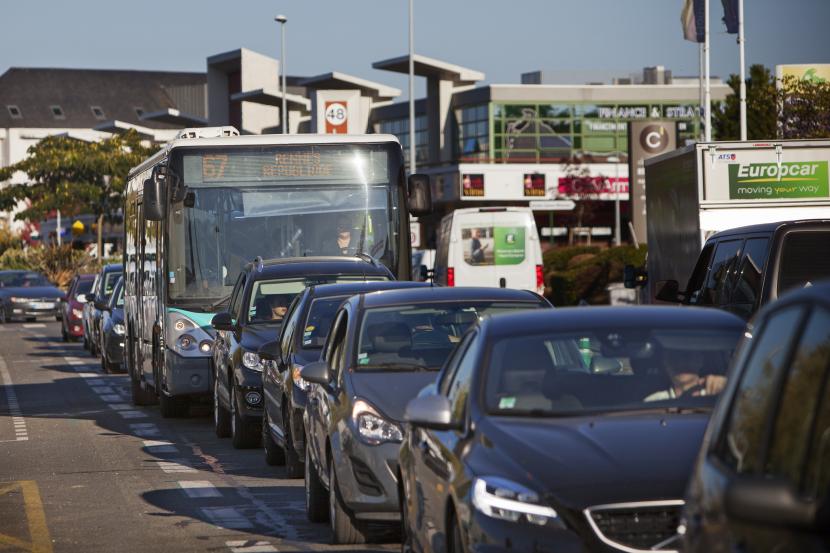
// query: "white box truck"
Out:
[704,188]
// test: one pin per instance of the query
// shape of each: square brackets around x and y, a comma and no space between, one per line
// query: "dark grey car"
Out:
[27,295]
[383,347]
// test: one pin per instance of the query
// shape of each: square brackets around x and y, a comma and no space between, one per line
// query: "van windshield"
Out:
[805,259]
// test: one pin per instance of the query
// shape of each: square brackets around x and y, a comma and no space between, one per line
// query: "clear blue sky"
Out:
[502,38]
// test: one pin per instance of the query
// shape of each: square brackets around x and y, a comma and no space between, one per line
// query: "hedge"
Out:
[58,264]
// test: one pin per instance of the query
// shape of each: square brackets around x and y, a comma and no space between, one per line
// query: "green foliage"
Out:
[73,176]
[58,263]
[584,272]
[804,108]
[8,238]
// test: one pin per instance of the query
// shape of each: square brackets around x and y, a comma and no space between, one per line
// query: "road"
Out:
[82,470]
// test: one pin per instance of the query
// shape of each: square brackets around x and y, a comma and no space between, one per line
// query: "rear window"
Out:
[805,259]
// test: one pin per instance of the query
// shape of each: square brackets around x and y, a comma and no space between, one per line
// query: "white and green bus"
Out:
[211,201]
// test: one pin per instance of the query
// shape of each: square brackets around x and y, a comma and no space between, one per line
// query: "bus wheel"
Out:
[172,407]
[140,396]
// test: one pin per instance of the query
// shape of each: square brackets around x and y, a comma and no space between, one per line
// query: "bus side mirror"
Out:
[668,291]
[153,198]
[420,195]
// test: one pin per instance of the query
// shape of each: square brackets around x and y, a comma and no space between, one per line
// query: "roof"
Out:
[322,265]
[570,319]
[272,97]
[352,288]
[431,67]
[430,294]
[336,80]
[768,227]
[112,267]
[117,93]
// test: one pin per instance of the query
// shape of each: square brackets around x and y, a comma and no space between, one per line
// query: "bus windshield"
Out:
[279,201]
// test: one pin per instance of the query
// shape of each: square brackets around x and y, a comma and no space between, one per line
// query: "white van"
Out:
[490,246]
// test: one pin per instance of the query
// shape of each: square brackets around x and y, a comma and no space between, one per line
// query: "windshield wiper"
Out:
[366,257]
[401,366]
[222,300]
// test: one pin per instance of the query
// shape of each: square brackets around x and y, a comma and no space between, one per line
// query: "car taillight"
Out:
[540,278]
[450,276]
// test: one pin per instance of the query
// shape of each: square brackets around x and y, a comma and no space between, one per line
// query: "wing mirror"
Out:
[420,195]
[773,502]
[101,305]
[89,298]
[431,411]
[223,321]
[668,291]
[270,351]
[317,372]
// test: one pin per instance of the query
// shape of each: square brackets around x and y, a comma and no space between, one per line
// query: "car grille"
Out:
[646,526]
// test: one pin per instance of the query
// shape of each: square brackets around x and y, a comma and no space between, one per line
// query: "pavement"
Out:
[82,470]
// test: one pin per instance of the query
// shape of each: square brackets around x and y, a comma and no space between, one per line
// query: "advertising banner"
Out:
[814,72]
[534,185]
[472,185]
[488,245]
[759,181]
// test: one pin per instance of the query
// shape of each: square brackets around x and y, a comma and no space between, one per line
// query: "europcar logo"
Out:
[754,181]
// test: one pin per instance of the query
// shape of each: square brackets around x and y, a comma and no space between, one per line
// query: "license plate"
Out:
[43,305]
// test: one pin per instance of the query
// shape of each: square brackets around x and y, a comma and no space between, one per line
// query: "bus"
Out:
[211,201]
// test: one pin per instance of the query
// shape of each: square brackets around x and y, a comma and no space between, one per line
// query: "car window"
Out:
[337,363]
[805,258]
[743,441]
[799,399]
[699,273]
[332,338]
[318,321]
[458,390]
[749,276]
[235,305]
[109,281]
[452,363]
[716,291]
[287,331]
[817,475]
[84,287]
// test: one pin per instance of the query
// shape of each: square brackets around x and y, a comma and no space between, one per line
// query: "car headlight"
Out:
[251,360]
[298,380]
[77,313]
[15,299]
[503,499]
[372,427]
[119,329]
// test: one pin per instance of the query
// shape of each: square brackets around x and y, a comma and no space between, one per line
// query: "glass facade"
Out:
[474,132]
[400,128]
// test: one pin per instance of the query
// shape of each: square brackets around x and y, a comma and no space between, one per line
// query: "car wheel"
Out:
[273,453]
[86,342]
[221,417]
[64,333]
[4,317]
[293,465]
[244,434]
[344,529]
[455,543]
[104,365]
[316,498]
[172,407]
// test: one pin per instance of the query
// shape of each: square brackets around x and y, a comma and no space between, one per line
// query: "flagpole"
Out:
[700,91]
[707,90]
[741,55]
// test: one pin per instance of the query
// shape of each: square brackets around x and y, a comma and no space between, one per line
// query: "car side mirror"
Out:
[668,291]
[420,195]
[773,502]
[80,298]
[270,351]
[223,321]
[101,305]
[89,298]
[153,198]
[316,372]
[431,411]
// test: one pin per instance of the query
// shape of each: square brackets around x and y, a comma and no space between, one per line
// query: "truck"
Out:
[708,187]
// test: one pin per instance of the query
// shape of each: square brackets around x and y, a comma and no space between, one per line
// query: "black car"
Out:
[259,301]
[762,480]
[564,430]
[382,348]
[27,295]
[300,342]
[101,292]
[113,330]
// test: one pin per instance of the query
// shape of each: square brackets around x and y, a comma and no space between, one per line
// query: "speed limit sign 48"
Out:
[337,117]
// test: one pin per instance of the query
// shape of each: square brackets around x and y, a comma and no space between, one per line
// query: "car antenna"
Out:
[258,263]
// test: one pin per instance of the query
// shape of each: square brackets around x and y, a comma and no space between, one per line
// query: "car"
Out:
[761,482]
[27,295]
[300,342]
[72,307]
[571,429]
[113,330]
[101,291]
[381,349]
[257,305]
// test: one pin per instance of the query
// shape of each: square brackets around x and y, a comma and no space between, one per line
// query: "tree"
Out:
[73,176]
[804,108]
[585,189]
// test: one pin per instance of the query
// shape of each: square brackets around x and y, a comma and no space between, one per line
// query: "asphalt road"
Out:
[82,470]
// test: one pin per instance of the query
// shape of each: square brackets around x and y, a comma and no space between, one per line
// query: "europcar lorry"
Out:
[704,188]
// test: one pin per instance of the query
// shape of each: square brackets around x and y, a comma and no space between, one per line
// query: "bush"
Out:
[584,272]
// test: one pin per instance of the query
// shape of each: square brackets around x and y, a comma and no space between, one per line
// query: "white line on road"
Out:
[155,446]
[145,429]
[34,325]
[89,375]
[175,465]
[20,432]
[227,517]
[111,398]
[102,389]
[120,406]
[199,489]
[251,546]
[132,414]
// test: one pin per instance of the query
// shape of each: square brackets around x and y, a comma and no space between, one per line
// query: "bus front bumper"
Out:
[186,376]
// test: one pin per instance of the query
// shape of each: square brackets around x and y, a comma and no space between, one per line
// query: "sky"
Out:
[502,38]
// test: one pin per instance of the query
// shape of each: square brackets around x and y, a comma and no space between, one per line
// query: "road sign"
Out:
[552,205]
[337,117]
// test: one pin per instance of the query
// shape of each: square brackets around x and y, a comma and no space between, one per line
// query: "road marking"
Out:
[120,406]
[95,382]
[111,398]
[145,429]
[89,375]
[35,517]
[19,423]
[34,325]
[131,414]
[175,465]
[251,546]
[227,517]
[102,389]
[199,489]
[154,446]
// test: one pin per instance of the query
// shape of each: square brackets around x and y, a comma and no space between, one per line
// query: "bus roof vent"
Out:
[207,132]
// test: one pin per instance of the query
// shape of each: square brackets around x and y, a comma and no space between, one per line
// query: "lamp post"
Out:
[282,20]
[616,161]
[412,164]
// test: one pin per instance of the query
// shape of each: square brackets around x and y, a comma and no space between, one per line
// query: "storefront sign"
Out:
[645,139]
[534,185]
[758,181]
[472,185]
[623,112]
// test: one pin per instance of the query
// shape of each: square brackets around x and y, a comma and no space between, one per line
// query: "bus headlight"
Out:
[119,329]
[185,337]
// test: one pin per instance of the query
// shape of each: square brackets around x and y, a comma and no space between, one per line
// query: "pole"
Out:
[58,228]
[742,91]
[284,113]
[707,100]
[702,121]
[617,232]
[412,162]
[550,224]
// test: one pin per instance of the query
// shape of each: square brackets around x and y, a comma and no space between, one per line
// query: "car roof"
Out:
[316,265]
[624,317]
[112,267]
[768,227]
[352,288]
[430,294]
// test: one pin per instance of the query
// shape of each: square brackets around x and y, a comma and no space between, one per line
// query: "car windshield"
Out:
[407,337]
[24,280]
[270,298]
[110,280]
[607,369]
[319,319]
[84,287]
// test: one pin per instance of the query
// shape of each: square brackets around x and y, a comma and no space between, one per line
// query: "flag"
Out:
[730,16]
[692,19]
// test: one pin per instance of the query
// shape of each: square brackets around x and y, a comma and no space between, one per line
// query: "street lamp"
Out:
[616,161]
[282,20]
[412,164]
